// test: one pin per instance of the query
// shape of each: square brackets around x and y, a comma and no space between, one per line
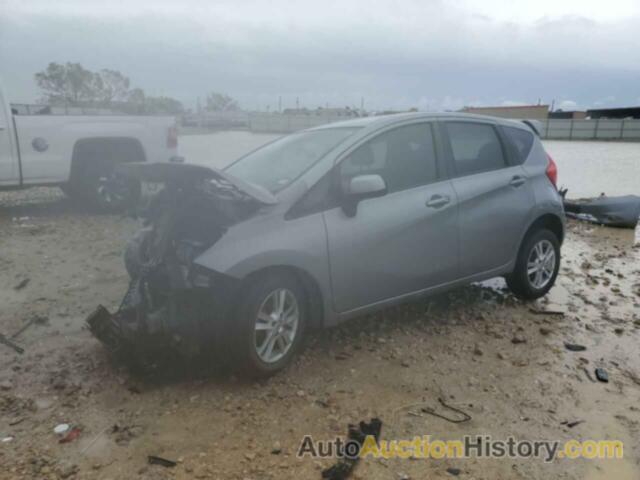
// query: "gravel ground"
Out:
[478,348]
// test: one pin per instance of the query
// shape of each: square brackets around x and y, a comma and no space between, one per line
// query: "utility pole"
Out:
[297,103]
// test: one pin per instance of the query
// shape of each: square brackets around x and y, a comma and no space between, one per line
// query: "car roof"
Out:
[390,119]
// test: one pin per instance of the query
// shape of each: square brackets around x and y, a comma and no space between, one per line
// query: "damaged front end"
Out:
[171,301]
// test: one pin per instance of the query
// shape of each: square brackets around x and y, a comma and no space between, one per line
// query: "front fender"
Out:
[270,241]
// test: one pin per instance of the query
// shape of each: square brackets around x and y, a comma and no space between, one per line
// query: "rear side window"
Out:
[475,147]
[521,141]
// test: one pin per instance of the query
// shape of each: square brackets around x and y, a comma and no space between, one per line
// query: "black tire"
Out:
[519,281]
[105,191]
[244,340]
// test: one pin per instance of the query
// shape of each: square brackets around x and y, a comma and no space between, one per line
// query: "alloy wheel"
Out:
[541,264]
[276,325]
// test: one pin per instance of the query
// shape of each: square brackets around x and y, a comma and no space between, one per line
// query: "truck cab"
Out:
[79,153]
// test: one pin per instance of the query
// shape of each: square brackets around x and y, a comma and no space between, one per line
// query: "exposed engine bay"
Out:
[169,299]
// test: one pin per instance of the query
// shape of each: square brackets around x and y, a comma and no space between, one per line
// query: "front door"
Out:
[404,241]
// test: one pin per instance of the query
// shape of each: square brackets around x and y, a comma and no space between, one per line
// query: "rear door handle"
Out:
[517,181]
[438,201]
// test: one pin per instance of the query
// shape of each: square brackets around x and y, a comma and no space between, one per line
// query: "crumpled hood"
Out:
[184,173]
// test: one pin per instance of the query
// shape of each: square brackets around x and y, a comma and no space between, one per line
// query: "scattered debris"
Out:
[454,471]
[35,320]
[23,283]
[569,424]
[277,449]
[612,211]
[574,347]
[344,467]
[154,460]
[5,341]
[61,429]
[73,434]
[602,375]
[8,439]
[536,311]
[465,416]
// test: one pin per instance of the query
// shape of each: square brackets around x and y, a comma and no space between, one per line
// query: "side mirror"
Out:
[360,188]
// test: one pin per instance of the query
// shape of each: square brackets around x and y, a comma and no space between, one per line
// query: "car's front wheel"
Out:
[272,319]
[537,265]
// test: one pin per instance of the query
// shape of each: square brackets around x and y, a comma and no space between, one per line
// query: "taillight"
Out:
[552,171]
[172,137]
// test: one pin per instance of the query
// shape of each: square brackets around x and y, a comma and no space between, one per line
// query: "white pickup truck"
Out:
[79,152]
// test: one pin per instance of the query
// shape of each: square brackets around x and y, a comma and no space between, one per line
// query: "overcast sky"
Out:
[432,54]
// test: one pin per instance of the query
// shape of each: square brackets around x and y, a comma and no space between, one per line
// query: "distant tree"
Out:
[66,84]
[71,84]
[110,86]
[220,102]
[157,105]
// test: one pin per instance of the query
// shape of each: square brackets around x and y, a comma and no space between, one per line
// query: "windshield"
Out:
[278,164]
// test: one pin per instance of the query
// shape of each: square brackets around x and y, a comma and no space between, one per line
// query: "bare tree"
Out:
[220,102]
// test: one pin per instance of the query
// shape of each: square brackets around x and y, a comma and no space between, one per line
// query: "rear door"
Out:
[404,241]
[494,195]
[9,174]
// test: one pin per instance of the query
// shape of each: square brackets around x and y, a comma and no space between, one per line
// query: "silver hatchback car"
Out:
[334,222]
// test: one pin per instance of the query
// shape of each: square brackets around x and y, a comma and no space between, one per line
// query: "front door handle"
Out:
[438,201]
[517,181]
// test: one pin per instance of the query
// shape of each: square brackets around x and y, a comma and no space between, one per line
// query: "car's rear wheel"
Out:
[272,319]
[537,265]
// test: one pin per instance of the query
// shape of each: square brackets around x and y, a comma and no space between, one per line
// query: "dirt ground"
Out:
[478,348]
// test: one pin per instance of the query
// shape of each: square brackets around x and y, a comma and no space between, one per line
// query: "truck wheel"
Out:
[107,191]
[537,265]
[271,322]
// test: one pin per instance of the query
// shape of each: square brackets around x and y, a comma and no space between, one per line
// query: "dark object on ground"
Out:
[574,347]
[102,324]
[454,471]
[72,435]
[23,283]
[518,339]
[153,460]
[5,341]
[465,416]
[535,311]
[344,467]
[601,375]
[620,212]
[36,320]
[569,424]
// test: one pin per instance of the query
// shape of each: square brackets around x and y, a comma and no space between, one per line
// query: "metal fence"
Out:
[598,129]
[266,122]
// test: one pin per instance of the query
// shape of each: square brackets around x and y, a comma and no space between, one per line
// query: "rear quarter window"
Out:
[475,147]
[521,143]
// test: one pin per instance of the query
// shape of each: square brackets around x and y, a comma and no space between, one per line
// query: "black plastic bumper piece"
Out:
[106,328]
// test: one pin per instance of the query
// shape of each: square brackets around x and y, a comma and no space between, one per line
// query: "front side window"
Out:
[405,158]
[475,147]
[277,164]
